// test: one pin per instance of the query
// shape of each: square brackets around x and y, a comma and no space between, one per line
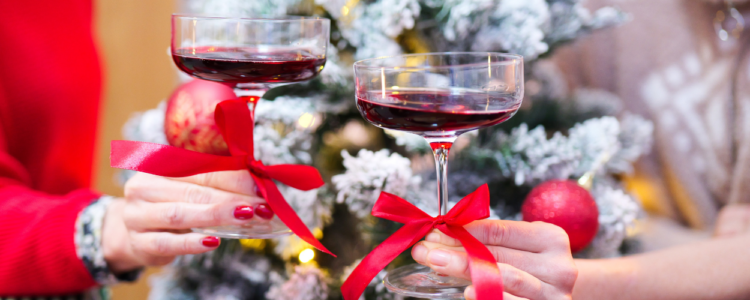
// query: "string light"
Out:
[346,11]
[306,120]
[256,244]
[306,255]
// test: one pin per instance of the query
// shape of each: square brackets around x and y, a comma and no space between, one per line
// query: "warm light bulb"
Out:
[306,255]
[306,120]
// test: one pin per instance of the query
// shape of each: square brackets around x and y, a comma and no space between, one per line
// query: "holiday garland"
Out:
[557,135]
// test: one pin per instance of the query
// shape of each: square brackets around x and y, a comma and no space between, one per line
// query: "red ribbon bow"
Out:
[236,125]
[485,274]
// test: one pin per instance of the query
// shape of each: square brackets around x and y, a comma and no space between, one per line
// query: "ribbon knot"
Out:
[256,167]
[485,274]
[236,124]
[439,220]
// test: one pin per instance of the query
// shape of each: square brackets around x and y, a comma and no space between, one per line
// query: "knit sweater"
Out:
[669,64]
[50,87]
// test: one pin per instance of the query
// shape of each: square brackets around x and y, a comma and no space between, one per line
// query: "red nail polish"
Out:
[264,211]
[210,241]
[243,212]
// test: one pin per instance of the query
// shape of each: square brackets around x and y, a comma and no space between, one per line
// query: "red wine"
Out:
[424,111]
[245,65]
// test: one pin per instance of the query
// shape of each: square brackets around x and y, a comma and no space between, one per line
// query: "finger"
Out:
[533,237]
[455,263]
[507,296]
[161,189]
[148,216]
[538,265]
[442,260]
[238,181]
[158,248]
[470,294]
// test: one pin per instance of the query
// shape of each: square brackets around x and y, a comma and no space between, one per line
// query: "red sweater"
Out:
[50,86]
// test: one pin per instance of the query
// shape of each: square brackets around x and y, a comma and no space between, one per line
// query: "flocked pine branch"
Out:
[306,282]
[370,173]
[530,157]
[527,27]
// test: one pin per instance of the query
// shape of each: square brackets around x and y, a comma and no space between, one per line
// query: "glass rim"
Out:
[364,63]
[259,18]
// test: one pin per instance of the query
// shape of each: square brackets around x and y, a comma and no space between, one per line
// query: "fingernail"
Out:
[419,253]
[264,211]
[433,237]
[470,293]
[211,242]
[244,212]
[438,258]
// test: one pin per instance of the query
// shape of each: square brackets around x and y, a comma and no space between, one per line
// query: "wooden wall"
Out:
[133,38]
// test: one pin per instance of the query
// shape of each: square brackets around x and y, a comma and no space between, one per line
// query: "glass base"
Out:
[419,281]
[255,229]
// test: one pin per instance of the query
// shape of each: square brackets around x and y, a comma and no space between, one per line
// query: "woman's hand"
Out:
[734,219]
[534,258]
[151,225]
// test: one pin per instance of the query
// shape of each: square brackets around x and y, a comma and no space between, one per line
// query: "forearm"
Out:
[715,269]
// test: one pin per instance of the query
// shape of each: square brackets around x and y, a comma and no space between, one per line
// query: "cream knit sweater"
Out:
[668,64]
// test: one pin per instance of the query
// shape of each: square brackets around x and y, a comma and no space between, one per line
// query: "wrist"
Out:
[115,241]
[604,278]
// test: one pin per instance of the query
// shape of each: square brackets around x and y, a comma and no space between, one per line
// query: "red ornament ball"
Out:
[189,120]
[565,204]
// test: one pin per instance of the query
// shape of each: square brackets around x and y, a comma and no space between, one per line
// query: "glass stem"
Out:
[441,148]
[251,96]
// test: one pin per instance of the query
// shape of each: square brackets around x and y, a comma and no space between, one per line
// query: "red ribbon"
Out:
[485,274]
[236,125]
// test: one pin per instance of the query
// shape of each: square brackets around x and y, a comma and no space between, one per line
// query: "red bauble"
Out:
[189,120]
[565,204]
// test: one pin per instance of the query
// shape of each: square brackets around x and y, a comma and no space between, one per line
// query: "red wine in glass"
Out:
[251,55]
[235,65]
[435,111]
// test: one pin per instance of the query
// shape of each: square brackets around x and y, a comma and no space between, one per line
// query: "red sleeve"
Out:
[50,88]
[37,248]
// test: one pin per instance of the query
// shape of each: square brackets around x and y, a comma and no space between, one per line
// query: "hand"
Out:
[151,225]
[534,258]
[734,219]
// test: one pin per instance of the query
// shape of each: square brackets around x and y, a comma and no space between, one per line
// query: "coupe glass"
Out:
[438,96]
[251,55]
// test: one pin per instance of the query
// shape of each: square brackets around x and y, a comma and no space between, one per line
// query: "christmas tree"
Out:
[557,134]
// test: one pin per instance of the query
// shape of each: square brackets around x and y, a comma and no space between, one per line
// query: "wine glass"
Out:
[438,96]
[251,55]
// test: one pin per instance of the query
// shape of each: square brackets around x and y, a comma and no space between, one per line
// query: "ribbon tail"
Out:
[485,275]
[381,256]
[168,161]
[286,213]
[297,176]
